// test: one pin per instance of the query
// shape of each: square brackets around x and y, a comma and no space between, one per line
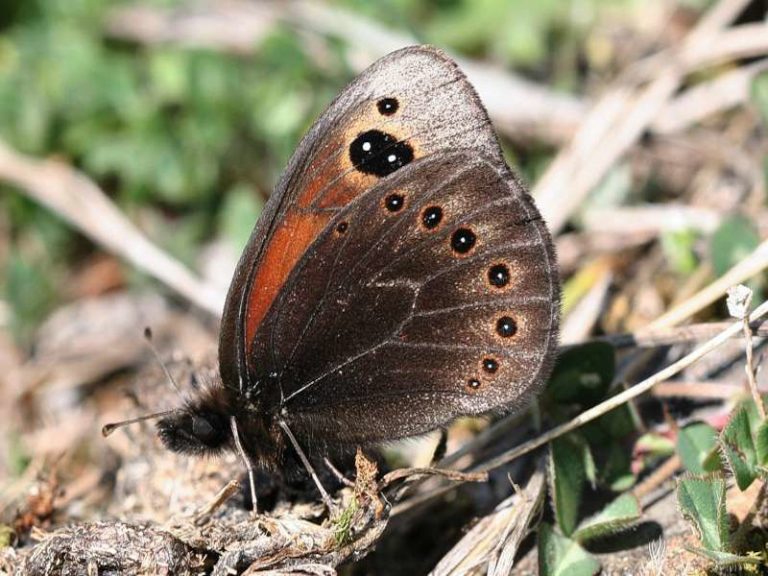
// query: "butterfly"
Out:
[400,276]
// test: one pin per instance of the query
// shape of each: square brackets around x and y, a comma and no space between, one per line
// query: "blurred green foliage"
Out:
[191,138]
[193,141]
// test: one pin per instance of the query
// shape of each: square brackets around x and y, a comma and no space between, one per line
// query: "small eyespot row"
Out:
[394,202]
[431,217]
[463,240]
[387,106]
[490,365]
[499,275]
[506,327]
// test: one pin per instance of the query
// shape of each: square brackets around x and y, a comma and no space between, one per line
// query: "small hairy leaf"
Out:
[724,559]
[567,475]
[694,444]
[738,446]
[561,556]
[582,374]
[702,503]
[761,443]
[616,516]
[617,473]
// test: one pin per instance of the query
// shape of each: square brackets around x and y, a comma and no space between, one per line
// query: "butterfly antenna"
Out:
[156,354]
[107,429]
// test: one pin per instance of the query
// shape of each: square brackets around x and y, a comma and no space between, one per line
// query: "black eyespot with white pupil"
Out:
[432,217]
[506,327]
[387,106]
[342,227]
[473,383]
[463,240]
[378,153]
[490,365]
[394,202]
[498,275]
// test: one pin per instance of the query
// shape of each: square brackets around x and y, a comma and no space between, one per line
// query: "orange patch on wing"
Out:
[336,184]
[301,226]
[287,245]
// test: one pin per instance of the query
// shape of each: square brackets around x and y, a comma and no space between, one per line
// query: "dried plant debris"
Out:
[230,541]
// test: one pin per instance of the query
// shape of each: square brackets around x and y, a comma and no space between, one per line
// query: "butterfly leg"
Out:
[336,472]
[304,460]
[246,461]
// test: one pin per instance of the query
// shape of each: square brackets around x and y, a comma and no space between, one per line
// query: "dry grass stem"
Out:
[749,367]
[745,269]
[495,539]
[413,473]
[75,197]
[616,122]
[678,335]
[660,475]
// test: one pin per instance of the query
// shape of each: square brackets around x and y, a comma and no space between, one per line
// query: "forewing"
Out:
[408,105]
[391,325]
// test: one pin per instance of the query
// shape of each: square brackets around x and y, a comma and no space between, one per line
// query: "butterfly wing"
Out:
[432,295]
[408,105]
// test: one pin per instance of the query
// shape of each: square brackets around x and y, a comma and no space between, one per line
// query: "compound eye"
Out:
[201,428]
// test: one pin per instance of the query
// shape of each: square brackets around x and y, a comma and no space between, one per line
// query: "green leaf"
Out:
[738,447]
[733,241]
[561,556]
[29,290]
[695,443]
[567,460]
[242,207]
[702,503]
[760,94]
[761,443]
[616,516]
[617,473]
[679,249]
[655,444]
[614,425]
[583,373]
[724,559]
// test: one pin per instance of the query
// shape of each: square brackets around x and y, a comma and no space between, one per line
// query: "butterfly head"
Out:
[201,426]
[195,431]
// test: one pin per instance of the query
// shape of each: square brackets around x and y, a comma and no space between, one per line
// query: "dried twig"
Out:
[717,390]
[495,539]
[728,90]
[413,473]
[77,199]
[663,473]
[678,335]
[739,301]
[204,513]
[753,264]
[582,317]
[616,122]
[650,219]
